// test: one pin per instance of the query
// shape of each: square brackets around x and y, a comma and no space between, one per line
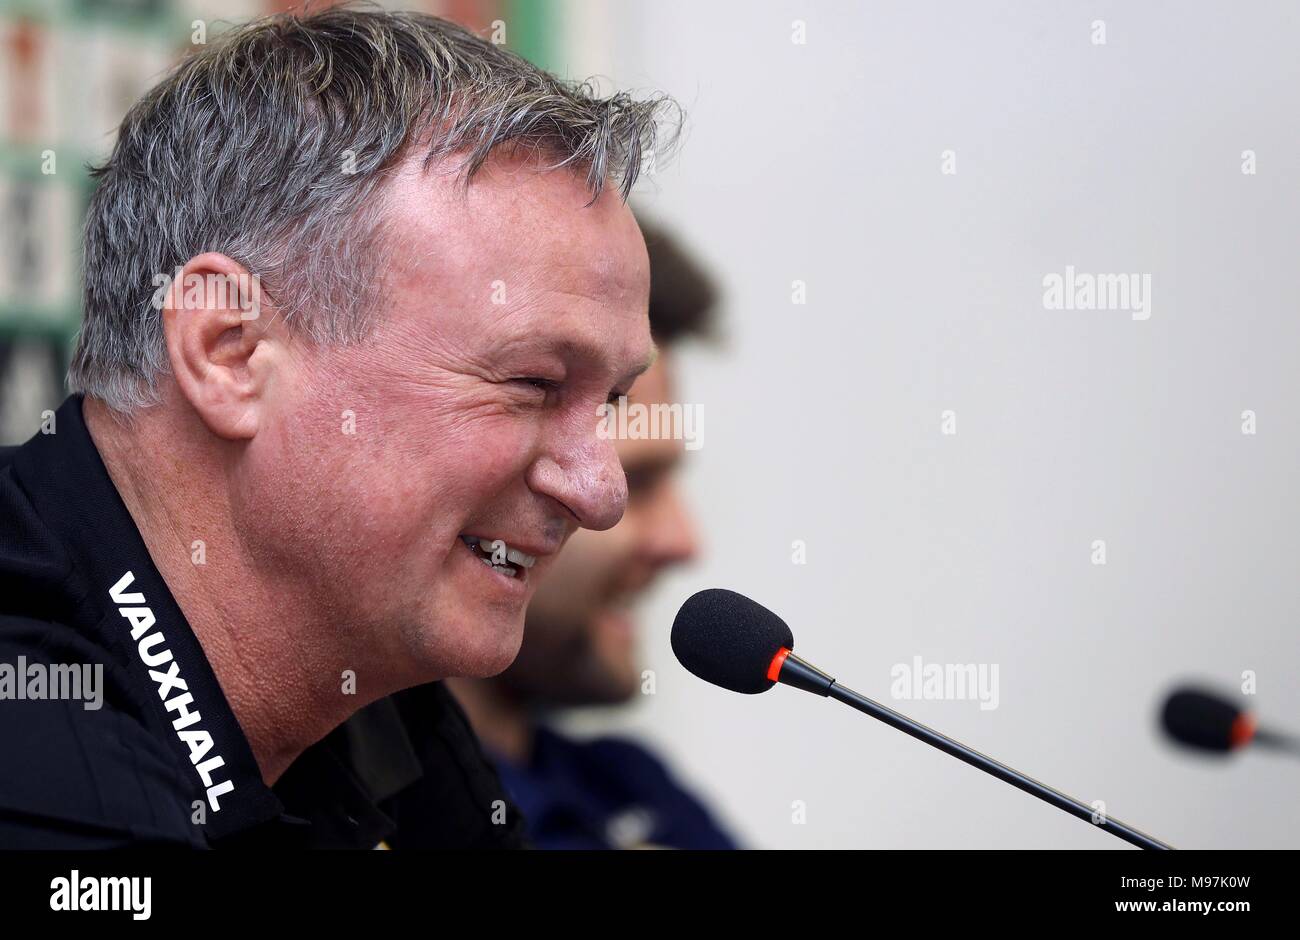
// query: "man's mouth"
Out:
[499,556]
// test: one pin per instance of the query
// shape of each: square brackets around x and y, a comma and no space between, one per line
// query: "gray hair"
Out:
[243,149]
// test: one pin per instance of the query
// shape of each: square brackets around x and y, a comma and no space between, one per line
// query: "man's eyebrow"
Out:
[576,348]
[582,349]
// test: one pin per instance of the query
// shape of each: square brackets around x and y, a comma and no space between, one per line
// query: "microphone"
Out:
[1207,721]
[731,641]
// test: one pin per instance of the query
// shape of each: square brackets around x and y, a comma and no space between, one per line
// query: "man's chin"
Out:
[609,680]
[614,644]
[490,663]
[476,644]
[491,650]
[623,688]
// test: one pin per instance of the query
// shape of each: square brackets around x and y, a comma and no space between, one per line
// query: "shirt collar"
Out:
[68,485]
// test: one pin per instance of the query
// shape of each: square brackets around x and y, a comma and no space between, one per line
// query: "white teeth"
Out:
[500,552]
[504,569]
[519,558]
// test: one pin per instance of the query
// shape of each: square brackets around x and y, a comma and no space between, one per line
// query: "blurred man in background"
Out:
[579,645]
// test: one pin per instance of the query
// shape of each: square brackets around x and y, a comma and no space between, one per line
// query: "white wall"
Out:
[822,162]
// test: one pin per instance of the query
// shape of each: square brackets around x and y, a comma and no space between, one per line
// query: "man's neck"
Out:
[268,653]
[502,722]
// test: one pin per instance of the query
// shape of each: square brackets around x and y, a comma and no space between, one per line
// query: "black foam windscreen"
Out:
[729,640]
[1200,719]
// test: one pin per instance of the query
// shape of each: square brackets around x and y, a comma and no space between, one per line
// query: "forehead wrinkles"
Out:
[545,287]
[494,258]
[515,217]
[578,261]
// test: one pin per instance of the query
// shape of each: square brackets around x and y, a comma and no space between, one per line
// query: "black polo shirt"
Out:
[163,759]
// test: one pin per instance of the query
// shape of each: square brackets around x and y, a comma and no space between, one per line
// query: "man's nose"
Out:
[673,538]
[586,477]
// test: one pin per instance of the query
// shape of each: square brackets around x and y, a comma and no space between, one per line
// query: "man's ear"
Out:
[222,344]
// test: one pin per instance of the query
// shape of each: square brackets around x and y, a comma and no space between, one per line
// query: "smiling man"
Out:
[270,507]
[581,645]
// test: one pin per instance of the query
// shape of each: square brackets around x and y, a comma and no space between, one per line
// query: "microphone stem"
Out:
[990,766]
[1277,741]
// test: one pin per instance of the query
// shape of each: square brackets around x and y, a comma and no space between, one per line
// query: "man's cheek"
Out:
[571,588]
[501,452]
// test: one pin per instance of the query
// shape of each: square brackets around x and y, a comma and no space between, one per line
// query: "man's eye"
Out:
[535,390]
[614,397]
[642,481]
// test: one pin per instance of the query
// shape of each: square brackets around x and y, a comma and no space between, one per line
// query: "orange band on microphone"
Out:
[774,667]
[1243,729]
